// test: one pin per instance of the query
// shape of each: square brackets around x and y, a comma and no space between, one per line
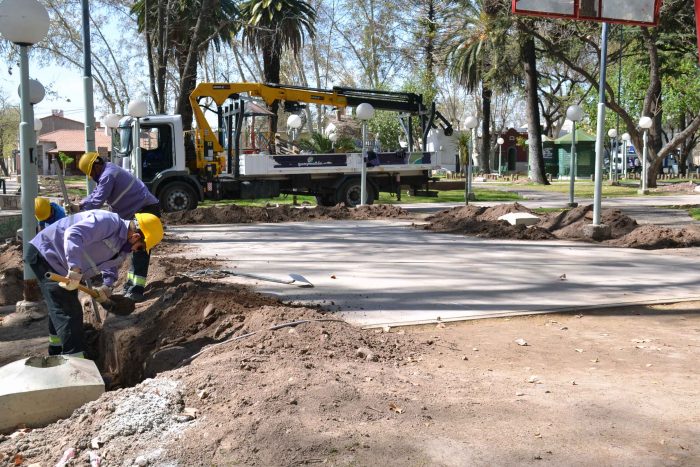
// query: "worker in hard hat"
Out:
[126,195]
[82,246]
[47,212]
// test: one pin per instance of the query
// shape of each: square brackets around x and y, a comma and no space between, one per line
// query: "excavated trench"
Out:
[180,317]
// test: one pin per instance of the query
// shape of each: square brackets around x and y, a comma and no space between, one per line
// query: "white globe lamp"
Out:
[364,111]
[574,113]
[23,22]
[137,108]
[294,121]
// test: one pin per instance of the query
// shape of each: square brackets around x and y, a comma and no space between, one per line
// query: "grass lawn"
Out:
[451,196]
[583,189]
[694,213]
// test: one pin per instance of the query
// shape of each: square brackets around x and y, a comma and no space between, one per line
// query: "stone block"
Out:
[37,391]
[597,232]
[520,218]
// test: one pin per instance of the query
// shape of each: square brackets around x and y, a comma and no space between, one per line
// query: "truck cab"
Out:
[162,159]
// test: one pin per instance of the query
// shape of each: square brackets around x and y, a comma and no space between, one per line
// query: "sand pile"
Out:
[11,273]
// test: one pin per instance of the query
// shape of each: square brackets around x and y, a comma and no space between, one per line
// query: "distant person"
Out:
[126,195]
[47,212]
[82,246]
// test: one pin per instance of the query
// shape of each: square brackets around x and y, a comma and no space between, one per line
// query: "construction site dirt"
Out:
[574,389]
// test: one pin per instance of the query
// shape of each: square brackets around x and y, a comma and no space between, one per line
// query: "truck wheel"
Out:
[349,193]
[178,196]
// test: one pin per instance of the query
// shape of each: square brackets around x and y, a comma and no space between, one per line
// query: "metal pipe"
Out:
[28,177]
[599,148]
[470,166]
[88,89]
[363,173]
[644,162]
[572,166]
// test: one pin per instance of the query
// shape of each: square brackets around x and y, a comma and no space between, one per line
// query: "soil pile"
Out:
[565,225]
[654,237]
[234,214]
[11,274]
[569,224]
[257,386]
[685,187]
[483,222]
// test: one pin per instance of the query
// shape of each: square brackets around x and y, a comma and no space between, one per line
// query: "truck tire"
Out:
[349,193]
[177,196]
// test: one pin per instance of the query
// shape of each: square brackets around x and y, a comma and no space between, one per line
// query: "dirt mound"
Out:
[569,224]
[234,214]
[565,225]
[11,273]
[248,384]
[653,237]
[685,187]
[463,218]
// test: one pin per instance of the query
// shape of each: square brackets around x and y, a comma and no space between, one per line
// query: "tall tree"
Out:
[272,26]
[479,56]
[182,31]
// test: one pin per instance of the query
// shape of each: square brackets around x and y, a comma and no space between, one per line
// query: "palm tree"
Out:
[271,26]
[171,31]
[479,55]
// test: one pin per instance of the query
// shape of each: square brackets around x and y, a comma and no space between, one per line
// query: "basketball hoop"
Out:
[635,12]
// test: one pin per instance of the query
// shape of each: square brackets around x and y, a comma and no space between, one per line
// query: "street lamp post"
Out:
[137,109]
[575,114]
[470,123]
[364,112]
[644,123]
[36,95]
[612,134]
[294,122]
[500,142]
[24,23]
[625,141]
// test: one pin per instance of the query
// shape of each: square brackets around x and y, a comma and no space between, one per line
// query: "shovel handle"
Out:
[56,278]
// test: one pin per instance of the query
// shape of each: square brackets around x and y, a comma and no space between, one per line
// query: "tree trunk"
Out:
[188,75]
[485,152]
[534,130]
[271,73]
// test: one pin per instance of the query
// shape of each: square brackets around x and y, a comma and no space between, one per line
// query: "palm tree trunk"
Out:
[534,130]
[485,153]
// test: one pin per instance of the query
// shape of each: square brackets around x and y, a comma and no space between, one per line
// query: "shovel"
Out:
[116,304]
[294,279]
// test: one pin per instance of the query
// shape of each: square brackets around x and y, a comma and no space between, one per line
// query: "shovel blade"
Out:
[119,305]
[300,281]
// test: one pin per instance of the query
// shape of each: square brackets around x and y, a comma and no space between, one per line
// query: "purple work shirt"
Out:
[123,192]
[95,241]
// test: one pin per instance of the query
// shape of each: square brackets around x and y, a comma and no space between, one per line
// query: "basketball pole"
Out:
[600,127]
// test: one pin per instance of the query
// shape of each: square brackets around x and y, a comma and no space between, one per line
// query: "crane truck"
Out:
[236,162]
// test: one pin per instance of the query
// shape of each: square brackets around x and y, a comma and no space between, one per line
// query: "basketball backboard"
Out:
[639,12]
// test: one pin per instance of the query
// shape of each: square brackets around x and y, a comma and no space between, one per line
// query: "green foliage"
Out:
[386,125]
[317,143]
[65,160]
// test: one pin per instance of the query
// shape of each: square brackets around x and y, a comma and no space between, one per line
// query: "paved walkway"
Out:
[388,273]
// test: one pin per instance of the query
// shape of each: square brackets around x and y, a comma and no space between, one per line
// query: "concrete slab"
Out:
[37,391]
[388,273]
[519,218]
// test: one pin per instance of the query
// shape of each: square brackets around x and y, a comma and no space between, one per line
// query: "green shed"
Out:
[585,154]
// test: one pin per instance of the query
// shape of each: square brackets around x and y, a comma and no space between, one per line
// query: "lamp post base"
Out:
[471,197]
[572,205]
[642,192]
[597,232]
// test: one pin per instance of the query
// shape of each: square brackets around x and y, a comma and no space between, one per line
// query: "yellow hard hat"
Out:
[151,228]
[86,161]
[42,209]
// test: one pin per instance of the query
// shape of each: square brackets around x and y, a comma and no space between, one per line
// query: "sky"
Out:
[66,84]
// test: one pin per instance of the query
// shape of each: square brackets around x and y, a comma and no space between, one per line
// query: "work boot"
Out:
[135,294]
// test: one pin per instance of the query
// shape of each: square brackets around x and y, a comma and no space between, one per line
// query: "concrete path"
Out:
[388,273]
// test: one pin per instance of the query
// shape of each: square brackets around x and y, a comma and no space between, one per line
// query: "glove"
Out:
[73,280]
[72,208]
[104,292]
